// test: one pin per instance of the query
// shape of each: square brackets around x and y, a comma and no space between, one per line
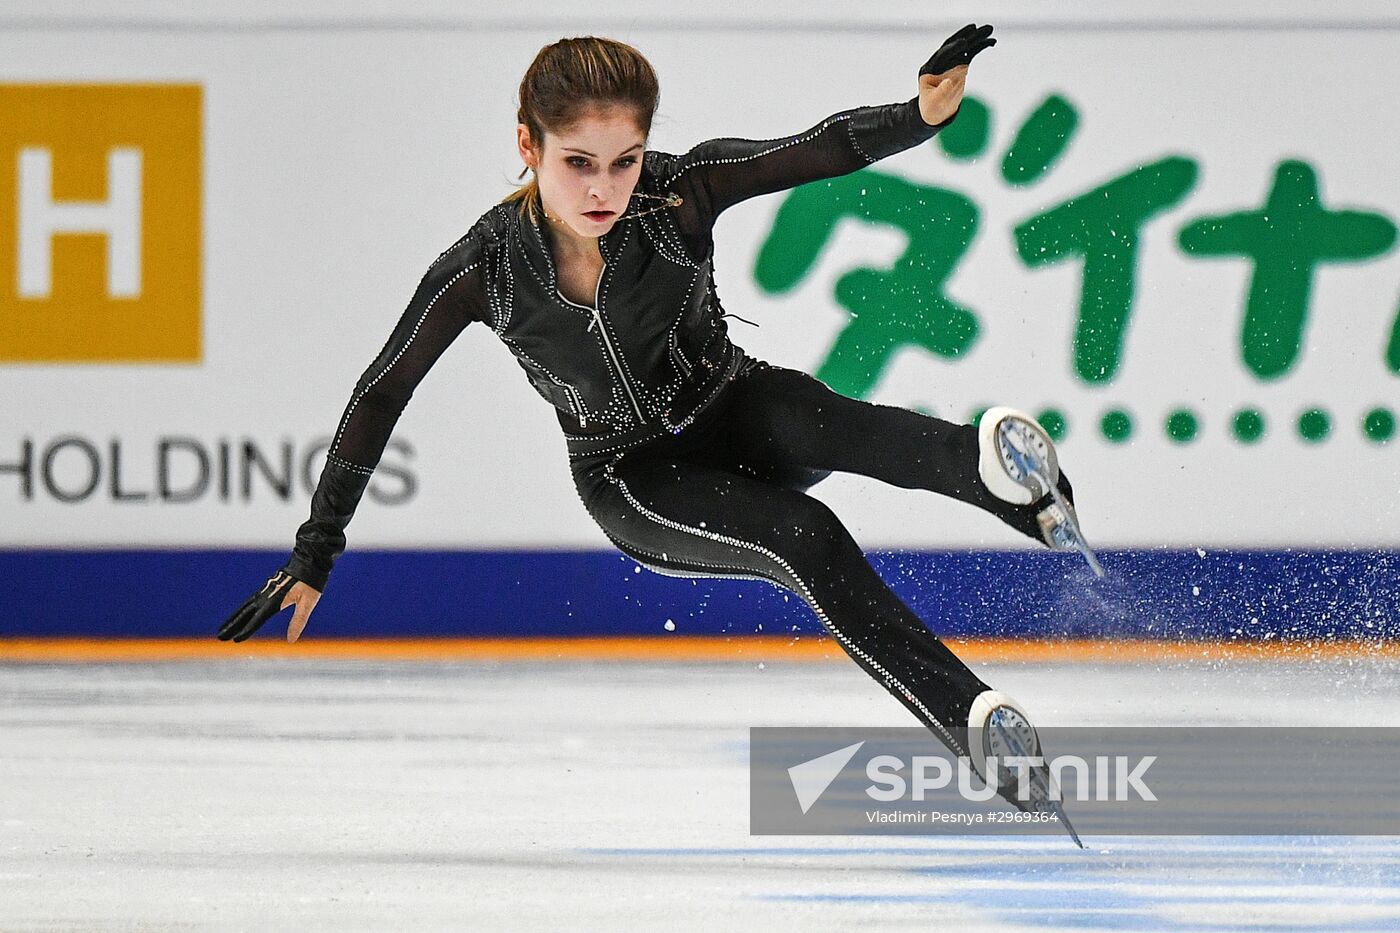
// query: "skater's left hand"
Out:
[280,591]
[942,78]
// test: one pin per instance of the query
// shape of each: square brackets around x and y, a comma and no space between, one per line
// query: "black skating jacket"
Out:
[649,355]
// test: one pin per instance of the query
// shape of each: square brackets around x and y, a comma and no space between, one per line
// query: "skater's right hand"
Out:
[944,75]
[280,591]
[958,50]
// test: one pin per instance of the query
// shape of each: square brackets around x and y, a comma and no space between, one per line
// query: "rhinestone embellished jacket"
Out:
[652,351]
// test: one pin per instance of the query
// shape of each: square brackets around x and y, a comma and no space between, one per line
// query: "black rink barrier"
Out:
[1179,781]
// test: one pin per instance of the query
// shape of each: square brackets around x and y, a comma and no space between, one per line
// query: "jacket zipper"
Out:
[597,311]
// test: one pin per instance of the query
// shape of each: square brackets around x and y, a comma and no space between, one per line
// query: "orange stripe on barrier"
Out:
[749,649]
[1111,650]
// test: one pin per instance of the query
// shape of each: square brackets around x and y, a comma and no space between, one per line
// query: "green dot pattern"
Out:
[1380,425]
[1117,426]
[1248,425]
[1053,421]
[1182,426]
[1314,425]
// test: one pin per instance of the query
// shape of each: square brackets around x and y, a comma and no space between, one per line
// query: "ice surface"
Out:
[259,794]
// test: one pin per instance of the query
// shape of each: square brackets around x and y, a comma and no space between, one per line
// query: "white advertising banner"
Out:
[1173,239]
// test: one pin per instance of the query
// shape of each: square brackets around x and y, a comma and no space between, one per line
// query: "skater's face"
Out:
[587,171]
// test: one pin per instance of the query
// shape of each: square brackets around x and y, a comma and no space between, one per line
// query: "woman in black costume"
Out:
[691,456]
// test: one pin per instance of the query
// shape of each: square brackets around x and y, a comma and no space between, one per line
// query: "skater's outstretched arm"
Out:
[719,173]
[449,297]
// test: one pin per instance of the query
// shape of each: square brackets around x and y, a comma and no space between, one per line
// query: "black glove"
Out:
[959,49]
[258,608]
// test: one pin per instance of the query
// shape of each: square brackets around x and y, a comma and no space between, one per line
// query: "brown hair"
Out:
[568,78]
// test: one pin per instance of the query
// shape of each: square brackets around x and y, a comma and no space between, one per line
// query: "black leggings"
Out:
[727,498]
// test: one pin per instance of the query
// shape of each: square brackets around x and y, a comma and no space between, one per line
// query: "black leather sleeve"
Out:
[719,173]
[450,296]
[321,538]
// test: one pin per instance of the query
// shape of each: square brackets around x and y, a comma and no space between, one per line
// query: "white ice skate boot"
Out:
[1017,461]
[999,731]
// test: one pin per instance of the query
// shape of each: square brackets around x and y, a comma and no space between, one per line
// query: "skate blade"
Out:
[1066,534]
[1059,812]
[1048,795]
[1043,787]
[1091,558]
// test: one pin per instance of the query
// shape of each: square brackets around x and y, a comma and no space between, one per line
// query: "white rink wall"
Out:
[343,146]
